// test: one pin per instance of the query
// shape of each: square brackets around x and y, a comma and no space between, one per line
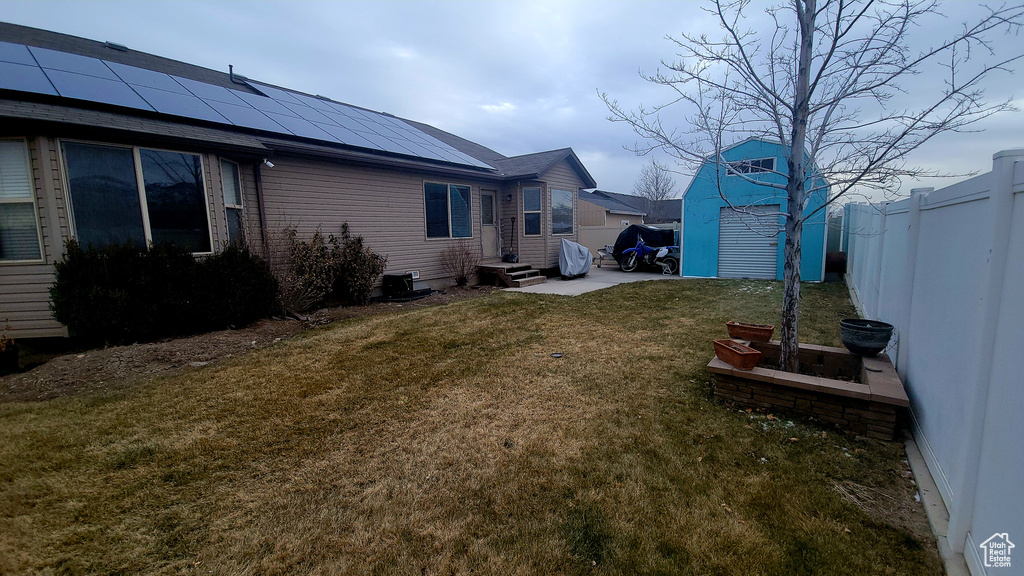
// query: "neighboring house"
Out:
[655,211]
[719,241]
[602,217]
[108,145]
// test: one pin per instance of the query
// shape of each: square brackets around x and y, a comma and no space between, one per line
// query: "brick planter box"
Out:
[868,400]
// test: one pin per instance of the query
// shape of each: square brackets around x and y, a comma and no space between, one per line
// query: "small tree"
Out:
[655,185]
[821,81]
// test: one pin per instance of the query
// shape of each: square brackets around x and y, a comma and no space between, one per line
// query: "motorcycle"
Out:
[666,257]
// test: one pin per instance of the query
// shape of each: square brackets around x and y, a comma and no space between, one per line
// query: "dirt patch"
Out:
[120,366]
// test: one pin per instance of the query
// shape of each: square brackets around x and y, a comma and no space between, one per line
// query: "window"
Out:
[19,227]
[487,209]
[112,204]
[531,211]
[752,166]
[232,201]
[447,209]
[561,212]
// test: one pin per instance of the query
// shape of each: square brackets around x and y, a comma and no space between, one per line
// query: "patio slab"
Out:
[597,279]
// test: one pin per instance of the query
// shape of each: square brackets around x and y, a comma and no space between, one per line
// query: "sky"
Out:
[516,76]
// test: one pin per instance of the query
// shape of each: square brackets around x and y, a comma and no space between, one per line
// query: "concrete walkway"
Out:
[597,279]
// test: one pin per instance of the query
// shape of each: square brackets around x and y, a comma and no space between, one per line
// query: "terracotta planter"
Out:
[736,354]
[753,332]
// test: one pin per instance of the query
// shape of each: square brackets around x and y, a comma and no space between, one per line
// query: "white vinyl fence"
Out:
[946,267]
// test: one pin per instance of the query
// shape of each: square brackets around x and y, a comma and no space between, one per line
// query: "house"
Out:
[602,217]
[108,145]
[723,242]
[655,211]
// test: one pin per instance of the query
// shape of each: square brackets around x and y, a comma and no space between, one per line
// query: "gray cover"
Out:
[574,259]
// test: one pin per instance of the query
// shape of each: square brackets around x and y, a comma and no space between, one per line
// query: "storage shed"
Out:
[745,240]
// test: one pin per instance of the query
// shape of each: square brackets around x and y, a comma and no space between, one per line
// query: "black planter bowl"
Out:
[865,337]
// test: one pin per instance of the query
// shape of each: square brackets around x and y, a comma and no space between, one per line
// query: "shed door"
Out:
[747,243]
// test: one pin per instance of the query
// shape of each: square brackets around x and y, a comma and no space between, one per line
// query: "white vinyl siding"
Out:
[20,237]
[748,243]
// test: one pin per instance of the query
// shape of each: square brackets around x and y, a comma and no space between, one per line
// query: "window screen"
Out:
[19,229]
[462,223]
[561,212]
[104,195]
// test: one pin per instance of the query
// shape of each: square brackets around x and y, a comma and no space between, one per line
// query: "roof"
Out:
[306,124]
[526,166]
[609,203]
[670,208]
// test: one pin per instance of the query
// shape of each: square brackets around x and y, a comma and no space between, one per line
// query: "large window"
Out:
[531,211]
[112,204]
[755,166]
[19,227]
[561,212]
[232,201]
[447,209]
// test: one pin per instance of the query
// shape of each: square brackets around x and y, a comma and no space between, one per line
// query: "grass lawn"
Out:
[448,440]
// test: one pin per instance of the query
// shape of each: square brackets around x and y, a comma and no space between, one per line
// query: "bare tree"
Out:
[655,185]
[821,81]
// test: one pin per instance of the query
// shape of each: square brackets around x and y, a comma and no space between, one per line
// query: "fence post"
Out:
[961,516]
[883,216]
[913,234]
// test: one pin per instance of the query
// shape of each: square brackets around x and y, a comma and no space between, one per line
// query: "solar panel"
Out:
[345,121]
[16,54]
[53,60]
[177,104]
[263,103]
[45,71]
[211,92]
[301,127]
[385,144]
[246,116]
[275,93]
[148,78]
[300,111]
[24,79]
[93,89]
[346,136]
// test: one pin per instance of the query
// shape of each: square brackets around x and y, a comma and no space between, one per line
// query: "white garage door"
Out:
[747,243]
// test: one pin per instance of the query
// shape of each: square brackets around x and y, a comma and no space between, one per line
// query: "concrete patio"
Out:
[597,279]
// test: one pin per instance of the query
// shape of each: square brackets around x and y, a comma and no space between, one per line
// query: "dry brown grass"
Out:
[449,441]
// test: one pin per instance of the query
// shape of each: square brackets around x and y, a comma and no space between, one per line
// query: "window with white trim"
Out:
[136,195]
[19,224]
[531,211]
[754,166]
[233,201]
[447,210]
[561,212]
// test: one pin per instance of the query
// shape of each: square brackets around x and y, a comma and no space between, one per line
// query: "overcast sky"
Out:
[518,77]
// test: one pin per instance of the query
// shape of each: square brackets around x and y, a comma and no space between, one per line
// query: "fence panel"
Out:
[946,268]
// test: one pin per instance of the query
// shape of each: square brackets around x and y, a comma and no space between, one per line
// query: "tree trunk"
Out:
[789,359]
[796,191]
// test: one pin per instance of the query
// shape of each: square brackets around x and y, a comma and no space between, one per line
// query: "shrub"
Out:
[237,288]
[358,268]
[123,294]
[311,270]
[461,261]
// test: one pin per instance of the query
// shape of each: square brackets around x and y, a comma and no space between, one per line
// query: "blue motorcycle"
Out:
[665,257]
